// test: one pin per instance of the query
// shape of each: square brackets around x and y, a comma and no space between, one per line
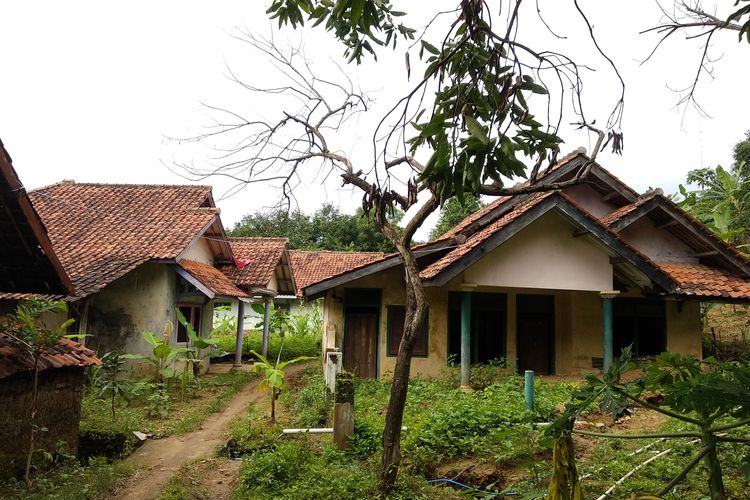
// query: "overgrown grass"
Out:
[443,423]
[294,345]
[210,394]
[610,461]
[70,481]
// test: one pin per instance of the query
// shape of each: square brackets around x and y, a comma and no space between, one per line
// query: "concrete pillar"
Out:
[608,341]
[240,331]
[465,339]
[266,319]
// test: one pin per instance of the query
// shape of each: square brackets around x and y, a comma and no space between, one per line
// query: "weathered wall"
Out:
[545,255]
[590,199]
[684,328]
[142,300]
[657,244]
[199,251]
[58,409]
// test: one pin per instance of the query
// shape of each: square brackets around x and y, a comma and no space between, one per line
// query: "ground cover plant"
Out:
[443,426]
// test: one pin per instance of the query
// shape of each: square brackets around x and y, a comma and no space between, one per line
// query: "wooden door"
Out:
[535,337]
[361,344]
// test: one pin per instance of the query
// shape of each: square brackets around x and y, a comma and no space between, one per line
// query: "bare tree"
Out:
[475,131]
[696,22]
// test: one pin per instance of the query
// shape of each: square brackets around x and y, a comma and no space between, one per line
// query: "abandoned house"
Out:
[555,282]
[28,266]
[135,254]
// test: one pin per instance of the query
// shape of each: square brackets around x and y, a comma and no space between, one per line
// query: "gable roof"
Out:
[211,281]
[65,353]
[27,262]
[102,231]
[262,257]
[312,266]
[718,271]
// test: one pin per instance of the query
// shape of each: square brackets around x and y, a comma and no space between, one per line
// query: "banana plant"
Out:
[274,375]
[198,344]
[163,354]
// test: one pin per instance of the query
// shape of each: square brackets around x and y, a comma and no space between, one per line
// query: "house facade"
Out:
[556,282]
[135,254]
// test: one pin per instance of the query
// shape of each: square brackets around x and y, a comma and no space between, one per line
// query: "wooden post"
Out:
[240,331]
[343,410]
[266,320]
[465,340]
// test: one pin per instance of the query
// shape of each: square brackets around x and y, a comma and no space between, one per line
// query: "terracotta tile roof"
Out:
[102,231]
[619,214]
[704,281]
[489,208]
[261,255]
[313,266]
[65,353]
[479,237]
[212,278]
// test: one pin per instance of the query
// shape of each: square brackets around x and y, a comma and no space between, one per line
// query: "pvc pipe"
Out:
[528,389]
[320,430]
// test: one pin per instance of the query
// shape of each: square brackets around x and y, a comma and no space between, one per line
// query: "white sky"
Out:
[89,90]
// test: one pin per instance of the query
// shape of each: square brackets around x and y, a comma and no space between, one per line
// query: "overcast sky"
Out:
[89,90]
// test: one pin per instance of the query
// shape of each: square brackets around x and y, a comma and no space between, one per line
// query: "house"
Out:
[263,271]
[30,267]
[555,282]
[135,254]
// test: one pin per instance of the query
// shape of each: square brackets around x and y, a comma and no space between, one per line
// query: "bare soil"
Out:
[159,460]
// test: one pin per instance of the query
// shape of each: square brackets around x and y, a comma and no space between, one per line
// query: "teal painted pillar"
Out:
[607,327]
[528,389]
[465,339]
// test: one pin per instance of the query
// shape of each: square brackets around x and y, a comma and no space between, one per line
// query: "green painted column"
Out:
[608,354]
[528,389]
[465,339]
[240,331]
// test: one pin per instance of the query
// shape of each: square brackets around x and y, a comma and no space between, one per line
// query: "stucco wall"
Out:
[545,255]
[657,244]
[200,251]
[142,300]
[684,328]
[590,199]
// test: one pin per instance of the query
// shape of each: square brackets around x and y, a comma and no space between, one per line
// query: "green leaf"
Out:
[356,12]
[151,339]
[476,129]
[430,48]
[162,351]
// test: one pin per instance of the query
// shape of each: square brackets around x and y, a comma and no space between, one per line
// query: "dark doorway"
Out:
[641,323]
[361,318]
[488,326]
[535,332]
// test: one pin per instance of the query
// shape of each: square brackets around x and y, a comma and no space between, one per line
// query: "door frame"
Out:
[552,336]
[374,306]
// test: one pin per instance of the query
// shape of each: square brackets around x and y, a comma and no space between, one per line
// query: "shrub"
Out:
[294,346]
[308,404]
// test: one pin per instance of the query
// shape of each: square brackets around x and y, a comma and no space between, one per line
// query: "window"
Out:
[396,318]
[488,326]
[192,313]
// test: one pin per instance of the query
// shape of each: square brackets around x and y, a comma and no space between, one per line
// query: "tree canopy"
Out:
[722,197]
[326,229]
[453,212]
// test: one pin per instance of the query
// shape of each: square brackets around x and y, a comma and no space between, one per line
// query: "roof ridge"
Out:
[256,238]
[70,182]
[345,252]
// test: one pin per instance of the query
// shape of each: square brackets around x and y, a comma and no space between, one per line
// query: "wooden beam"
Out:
[609,196]
[668,224]
[617,260]
[580,232]
[710,253]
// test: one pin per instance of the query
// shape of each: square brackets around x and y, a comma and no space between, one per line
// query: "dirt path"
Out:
[158,460]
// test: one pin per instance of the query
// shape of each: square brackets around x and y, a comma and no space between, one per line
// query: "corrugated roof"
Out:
[313,266]
[260,255]
[212,278]
[65,354]
[102,231]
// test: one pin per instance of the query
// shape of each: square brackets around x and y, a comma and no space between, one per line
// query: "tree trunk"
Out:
[715,480]
[416,309]
[273,405]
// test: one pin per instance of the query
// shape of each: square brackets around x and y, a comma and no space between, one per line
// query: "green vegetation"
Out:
[443,425]
[453,212]
[142,411]
[68,480]
[273,375]
[326,229]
